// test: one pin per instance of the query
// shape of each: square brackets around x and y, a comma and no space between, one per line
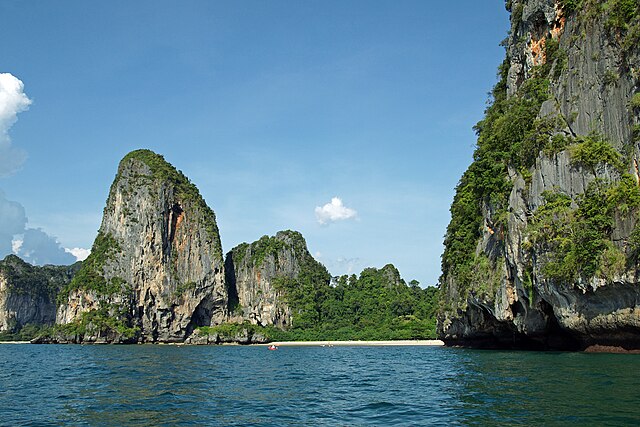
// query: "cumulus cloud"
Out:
[80,253]
[334,211]
[31,244]
[12,221]
[348,265]
[342,265]
[13,100]
[39,248]
[16,244]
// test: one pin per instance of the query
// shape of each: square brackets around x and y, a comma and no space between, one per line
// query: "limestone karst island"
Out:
[157,274]
[542,250]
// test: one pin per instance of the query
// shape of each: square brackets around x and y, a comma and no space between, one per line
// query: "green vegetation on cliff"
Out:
[30,296]
[26,279]
[510,136]
[187,193]
[593,150]
[91,274]
[162,171]
[270,246]
[622,17]
[510,139]
[577,240]
[108,320]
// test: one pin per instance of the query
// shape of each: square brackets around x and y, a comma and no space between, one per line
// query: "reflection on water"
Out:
[173,385]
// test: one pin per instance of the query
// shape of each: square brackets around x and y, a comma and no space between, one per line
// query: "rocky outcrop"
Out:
[156,270]
[28,293]
[238,334]
[255,273]
[555,263]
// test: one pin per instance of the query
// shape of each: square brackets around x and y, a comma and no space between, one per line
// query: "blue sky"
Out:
[272,108]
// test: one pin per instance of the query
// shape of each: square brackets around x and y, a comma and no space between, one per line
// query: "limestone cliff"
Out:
[156,269]
[542,248]
[254,272]
[28,293]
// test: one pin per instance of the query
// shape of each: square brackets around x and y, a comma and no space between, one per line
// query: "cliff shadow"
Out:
[230,282]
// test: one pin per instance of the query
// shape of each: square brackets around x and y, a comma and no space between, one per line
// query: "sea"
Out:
[168,385]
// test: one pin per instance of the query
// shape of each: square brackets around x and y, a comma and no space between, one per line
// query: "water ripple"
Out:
[342,386]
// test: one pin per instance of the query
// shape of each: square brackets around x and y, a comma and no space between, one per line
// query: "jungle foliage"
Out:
[377,305]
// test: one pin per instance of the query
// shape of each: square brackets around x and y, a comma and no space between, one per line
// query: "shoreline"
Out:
[398,343]
[328,343]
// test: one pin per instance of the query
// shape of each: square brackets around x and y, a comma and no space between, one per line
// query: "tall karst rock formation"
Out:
[156,269]
[543,246]
[256,275]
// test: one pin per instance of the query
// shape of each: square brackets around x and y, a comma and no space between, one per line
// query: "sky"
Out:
[349,121]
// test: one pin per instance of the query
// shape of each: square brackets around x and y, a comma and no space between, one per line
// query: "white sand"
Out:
[356,343]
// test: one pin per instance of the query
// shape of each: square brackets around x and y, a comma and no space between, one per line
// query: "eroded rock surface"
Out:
[255,271]
[593,90]
[28,293]
[156,269]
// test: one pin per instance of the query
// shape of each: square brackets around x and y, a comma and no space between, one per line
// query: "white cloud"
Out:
[16,244]
[334,211]
[13,100]
[80,253]
[342,265]
[40,248]
[348,265]
[12,222]
[31,244]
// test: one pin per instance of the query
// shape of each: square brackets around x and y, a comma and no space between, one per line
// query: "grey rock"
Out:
[28,293]
[527,310]
[253,272]
[169,263]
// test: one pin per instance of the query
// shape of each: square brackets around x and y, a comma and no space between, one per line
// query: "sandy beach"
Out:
[355,343]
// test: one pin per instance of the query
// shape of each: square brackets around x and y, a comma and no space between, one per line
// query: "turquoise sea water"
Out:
[302,386]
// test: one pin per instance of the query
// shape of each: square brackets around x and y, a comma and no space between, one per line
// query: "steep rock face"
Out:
[156,270]
[254,271]
[554,262]
[28,293]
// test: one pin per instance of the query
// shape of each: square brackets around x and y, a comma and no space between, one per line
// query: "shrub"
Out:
[576,242]
[636,132]
[593,150]
[610,78]
[556,144]
[612,262]
[634,103]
